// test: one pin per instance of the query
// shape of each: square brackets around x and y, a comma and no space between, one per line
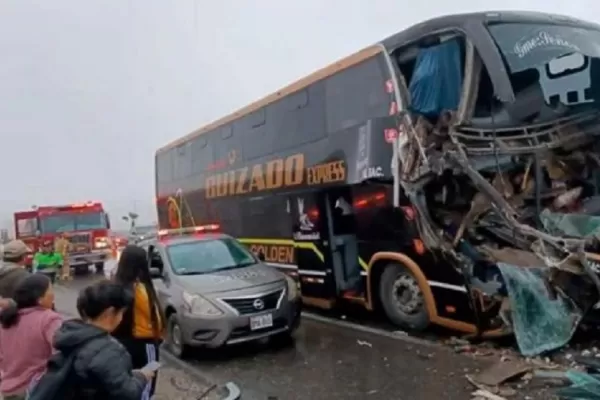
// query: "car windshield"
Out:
[72,222]
[526,45]
[205,256]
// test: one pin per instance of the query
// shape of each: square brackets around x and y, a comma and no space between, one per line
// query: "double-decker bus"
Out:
[404,176]
[85,225]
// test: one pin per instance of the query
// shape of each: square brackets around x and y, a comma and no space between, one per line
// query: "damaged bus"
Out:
[447,175]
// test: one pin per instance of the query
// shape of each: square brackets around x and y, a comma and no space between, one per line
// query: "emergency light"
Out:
[190,230]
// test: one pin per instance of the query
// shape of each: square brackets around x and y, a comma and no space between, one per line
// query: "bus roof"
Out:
[484,17]
[273,97]
[399,39]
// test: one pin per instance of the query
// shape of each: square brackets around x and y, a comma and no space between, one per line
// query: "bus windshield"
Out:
[526,45]
[65,222]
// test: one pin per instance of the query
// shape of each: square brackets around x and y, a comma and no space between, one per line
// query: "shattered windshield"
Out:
[526,46]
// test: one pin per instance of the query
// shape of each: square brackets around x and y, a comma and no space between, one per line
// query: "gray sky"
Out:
[111,81]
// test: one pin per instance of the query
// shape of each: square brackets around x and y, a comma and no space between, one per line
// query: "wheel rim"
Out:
[407,295]
[176,341]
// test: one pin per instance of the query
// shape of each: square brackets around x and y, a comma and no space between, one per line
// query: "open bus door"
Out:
[339,240]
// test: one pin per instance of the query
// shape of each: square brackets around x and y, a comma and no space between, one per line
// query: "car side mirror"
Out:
[261,256]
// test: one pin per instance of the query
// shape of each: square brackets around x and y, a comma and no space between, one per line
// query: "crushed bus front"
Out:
[511,200]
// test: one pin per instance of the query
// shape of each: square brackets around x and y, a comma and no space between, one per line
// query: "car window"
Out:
[205,256]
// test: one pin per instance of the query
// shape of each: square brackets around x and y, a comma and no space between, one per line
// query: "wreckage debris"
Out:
[511,182]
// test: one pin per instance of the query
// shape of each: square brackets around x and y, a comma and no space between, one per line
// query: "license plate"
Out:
[261,322]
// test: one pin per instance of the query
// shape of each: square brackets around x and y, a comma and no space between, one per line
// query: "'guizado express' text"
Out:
[275,174]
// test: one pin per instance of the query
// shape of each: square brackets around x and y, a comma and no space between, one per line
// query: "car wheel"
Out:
[175,339]
[402,298]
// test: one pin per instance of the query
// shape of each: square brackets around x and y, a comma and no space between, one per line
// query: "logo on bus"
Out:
[275,174]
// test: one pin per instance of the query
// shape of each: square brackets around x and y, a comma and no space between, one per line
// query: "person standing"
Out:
[89,363]
[61,246]
[12,269]
[142,328]
[47,261]
[27,329]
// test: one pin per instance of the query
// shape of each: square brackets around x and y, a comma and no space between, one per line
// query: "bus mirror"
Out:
[107,221]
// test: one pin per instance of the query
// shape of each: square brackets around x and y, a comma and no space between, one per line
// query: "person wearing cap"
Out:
[47,261]
[12,269]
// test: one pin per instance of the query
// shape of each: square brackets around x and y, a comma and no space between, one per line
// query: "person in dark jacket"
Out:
[12,269]
[102,367]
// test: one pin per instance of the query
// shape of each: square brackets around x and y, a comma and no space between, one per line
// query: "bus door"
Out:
[314,271]
[340,240]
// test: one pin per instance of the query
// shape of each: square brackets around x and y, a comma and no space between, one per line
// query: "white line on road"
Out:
[402,336]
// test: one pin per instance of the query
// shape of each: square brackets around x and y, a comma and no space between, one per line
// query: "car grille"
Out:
[80,238]
[247,305]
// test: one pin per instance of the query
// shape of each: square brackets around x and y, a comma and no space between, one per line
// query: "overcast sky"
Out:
[89,89]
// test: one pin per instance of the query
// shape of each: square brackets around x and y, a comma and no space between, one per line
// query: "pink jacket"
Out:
[26,347]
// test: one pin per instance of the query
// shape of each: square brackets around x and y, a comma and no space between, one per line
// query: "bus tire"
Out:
[402,298]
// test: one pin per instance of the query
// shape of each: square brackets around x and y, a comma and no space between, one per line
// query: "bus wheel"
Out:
[402,298]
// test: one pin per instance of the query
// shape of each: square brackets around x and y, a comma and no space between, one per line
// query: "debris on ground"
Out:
[176,384]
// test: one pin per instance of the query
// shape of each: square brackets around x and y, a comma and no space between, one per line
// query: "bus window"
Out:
[356,95]
[164,166]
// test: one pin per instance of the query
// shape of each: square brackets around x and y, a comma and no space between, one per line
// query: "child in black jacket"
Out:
[99,366]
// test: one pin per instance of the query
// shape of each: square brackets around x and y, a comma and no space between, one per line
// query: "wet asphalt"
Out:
[329,362]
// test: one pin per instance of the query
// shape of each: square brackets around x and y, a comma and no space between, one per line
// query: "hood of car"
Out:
[231,280]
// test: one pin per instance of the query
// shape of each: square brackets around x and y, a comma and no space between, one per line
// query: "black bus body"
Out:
[356,182]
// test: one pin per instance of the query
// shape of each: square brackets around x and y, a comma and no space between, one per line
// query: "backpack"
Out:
[54,383]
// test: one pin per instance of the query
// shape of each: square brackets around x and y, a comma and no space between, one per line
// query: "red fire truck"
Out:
[85,225]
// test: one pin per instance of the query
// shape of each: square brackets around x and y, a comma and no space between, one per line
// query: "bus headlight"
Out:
[292,288]
[198,305]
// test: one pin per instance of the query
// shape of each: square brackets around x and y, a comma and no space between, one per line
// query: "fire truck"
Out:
[85,225]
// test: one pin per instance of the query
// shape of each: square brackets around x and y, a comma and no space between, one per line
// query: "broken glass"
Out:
[572,225]
[540,323]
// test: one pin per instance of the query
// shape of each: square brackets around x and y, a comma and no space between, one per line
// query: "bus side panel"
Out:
[381,228]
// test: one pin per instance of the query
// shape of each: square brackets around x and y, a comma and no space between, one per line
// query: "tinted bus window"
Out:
[164,166]
[356,95]
[182,163]
[202,154]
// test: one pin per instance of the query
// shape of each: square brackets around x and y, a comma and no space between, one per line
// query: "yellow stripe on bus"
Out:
[301,245]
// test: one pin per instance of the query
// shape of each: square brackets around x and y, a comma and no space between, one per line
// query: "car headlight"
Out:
[292,288]
[198,305]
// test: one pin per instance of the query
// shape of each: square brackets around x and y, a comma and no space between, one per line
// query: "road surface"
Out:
[330,362]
